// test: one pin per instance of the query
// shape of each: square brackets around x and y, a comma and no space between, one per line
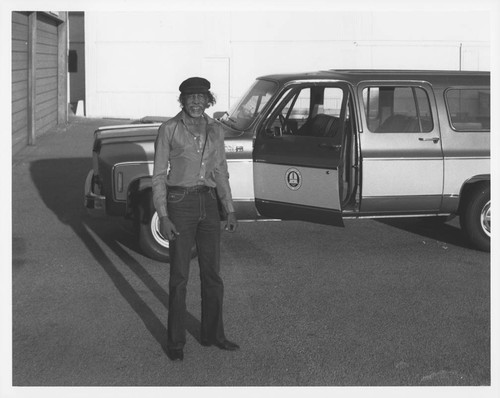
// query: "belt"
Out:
[196,188]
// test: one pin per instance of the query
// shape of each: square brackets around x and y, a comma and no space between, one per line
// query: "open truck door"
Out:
[297,157]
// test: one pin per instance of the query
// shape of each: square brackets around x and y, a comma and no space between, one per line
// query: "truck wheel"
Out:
[475,218]
[151,242]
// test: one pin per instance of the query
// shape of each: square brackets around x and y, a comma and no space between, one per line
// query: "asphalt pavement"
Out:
[386,304]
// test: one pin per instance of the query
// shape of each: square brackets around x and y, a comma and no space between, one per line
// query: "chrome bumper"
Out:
[94,203]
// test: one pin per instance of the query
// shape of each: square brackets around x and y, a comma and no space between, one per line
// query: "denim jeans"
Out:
[196,218]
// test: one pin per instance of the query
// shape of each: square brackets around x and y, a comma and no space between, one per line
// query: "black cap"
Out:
[194,85]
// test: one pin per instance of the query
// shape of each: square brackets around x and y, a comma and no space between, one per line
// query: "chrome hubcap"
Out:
[486,219]
[155,230]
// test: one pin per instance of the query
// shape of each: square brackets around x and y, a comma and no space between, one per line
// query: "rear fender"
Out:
[470,186]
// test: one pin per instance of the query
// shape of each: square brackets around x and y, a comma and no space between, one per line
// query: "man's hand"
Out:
[167,228]
[232,222]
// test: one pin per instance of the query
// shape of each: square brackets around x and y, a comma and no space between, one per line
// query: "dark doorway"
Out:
[76,62]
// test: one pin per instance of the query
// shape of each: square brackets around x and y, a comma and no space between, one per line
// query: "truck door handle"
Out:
[329,146]
[435,140]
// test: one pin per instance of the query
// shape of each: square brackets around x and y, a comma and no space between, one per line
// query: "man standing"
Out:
[190,170]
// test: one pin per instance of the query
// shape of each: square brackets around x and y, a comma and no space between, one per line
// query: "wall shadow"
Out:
[60,183]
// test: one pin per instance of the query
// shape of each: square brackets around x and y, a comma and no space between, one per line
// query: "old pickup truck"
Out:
[327,146]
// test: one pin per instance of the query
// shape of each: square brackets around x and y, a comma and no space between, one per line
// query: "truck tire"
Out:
[151,242]
[475,218]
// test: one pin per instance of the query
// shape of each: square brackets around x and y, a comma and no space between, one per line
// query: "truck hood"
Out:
[238,144]
[125,133]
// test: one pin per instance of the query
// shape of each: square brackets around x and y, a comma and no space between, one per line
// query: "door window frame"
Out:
[396,83]
[282,98]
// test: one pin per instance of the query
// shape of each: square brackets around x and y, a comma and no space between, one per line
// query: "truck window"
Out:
[397,110]
[296,110]
[307,112]
[246,111]
[468,109]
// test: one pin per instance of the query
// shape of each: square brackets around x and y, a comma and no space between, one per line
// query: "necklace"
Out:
[200,141]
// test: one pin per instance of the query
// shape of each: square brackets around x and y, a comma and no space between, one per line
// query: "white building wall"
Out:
[136,60]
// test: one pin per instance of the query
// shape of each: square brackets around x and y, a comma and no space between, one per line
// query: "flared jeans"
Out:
[195,215]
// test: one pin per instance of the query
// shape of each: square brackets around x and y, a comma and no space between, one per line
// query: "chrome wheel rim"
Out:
[486,219]
[155,230]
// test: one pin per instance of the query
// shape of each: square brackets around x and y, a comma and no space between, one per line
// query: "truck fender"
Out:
[469,186]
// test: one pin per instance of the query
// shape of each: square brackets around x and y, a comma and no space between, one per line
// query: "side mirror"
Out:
[218,115]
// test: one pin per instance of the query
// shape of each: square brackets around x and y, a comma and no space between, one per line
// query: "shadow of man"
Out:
[60,185]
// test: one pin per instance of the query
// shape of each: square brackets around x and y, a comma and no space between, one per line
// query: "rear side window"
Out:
[397,110]
[469,109]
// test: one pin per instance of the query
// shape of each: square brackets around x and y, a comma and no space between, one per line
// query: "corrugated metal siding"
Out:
[19,78]
[46,74]
[35,79]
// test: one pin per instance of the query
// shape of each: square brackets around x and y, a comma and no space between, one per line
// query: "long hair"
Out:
[210,99]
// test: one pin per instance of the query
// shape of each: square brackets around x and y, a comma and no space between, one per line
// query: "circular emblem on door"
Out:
[293,179]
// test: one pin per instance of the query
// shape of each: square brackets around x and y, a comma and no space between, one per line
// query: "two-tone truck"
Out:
[327,146]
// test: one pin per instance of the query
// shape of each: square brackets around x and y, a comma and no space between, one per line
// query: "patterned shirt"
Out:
[178,160]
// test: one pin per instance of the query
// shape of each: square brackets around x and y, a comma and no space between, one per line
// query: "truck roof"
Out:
[354,76]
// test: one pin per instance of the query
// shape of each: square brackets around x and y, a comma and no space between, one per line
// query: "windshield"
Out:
[244,113]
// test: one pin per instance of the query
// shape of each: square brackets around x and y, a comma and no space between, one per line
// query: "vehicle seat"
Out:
[398,123]
[320,125]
